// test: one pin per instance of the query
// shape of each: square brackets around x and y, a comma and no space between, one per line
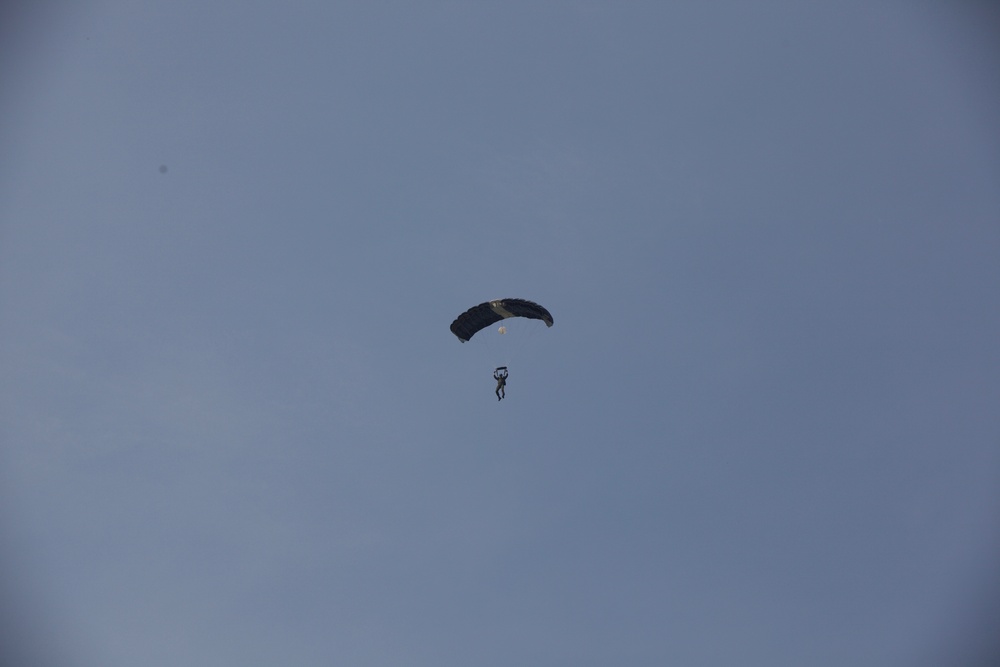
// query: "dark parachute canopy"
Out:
[479,317]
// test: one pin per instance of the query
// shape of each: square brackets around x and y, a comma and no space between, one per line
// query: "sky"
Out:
[236,430]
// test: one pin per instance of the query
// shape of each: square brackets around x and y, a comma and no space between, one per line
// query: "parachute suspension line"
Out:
[499,341]
[508,341]
[528,341]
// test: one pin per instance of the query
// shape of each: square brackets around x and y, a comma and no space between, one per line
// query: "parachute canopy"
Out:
[479,317]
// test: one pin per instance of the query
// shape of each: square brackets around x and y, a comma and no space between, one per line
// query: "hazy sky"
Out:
[236,430]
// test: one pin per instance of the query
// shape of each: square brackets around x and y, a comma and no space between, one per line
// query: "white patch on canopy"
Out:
[497,307]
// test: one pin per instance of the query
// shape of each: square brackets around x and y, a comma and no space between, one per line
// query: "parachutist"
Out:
[501,379]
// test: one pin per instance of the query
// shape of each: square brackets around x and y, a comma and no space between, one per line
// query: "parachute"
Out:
[488,313]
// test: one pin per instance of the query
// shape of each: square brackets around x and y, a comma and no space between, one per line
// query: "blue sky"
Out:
[236,429]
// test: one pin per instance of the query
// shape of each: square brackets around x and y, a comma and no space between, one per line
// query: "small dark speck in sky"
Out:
[163,168]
